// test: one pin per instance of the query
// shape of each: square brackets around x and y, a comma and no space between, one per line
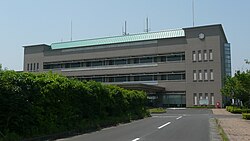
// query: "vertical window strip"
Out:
[199,56]
[195,99]
[194,75]
[205,75]
[194,56]
[211,74]
[200,75]
[205,55]
[210,55]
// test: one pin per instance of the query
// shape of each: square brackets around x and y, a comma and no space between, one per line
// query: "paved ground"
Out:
[176,125]
[234,126]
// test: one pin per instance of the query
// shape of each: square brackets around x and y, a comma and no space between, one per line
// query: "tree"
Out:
[238,87]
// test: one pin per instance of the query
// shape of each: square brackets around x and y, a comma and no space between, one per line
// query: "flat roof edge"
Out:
[25,46]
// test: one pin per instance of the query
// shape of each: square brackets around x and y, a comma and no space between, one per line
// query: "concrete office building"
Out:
[177,68]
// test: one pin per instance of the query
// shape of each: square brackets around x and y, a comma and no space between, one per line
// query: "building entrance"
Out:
[174,99]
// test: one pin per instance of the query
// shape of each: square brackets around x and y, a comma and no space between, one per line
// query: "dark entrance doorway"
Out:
[174,99]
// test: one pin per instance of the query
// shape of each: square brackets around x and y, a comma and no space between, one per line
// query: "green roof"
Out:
[120,39]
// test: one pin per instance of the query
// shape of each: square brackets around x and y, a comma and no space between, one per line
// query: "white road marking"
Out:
[164,125]
[179,117]
[136,139]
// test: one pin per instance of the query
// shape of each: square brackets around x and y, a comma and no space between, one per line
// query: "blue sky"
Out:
[27,22]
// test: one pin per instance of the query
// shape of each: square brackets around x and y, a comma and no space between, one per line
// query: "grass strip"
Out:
[157,110]
[221,131]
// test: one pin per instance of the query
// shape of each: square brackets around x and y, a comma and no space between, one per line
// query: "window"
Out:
[28,67]
[146,60]
[146,78]
[121,62]
[212,99]
[211,74]
[97,63]
[163,77]
[199,56]
[194,56]
[195,99]
[121,79]
[111,62]
[210,55]
[136,78]
[97,79]
[136,60]
[205,55]
[74,65]
[37,66]
[111,79]
[206,96]
[175,57]
[31,67]
[200,75]
[205,75]
[200,96]
[163,58]
[34,66]
[176,76]
[194,75]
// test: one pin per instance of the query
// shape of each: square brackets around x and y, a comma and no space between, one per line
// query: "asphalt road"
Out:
[175,125]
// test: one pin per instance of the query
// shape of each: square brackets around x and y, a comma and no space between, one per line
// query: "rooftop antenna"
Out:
[193,11]
[71,31]
[147,26]
[125,29]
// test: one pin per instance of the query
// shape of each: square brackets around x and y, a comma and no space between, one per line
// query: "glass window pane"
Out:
[97,63]
[194,56]
[146,60]
[121,79]
[120,62]
[174,57]
[75,65]
[146,78]
[136,60]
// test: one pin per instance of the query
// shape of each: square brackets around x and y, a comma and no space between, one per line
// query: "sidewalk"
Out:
[236,128]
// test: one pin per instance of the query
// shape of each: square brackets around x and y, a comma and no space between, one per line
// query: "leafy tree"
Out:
[238,87]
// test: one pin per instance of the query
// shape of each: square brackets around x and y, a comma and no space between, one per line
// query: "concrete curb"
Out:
[214,133]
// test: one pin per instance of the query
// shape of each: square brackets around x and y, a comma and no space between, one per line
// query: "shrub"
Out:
[246,116]
[237,110]
[39,104]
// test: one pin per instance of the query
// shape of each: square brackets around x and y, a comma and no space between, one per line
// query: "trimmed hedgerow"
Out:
[237,110]
[246,116]
[41,104]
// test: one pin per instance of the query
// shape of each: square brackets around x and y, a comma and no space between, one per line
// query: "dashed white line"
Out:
[136,139]
[179,117]
[164,125]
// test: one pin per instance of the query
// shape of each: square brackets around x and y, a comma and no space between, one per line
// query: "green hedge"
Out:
[237,110]
[40,104]
[246,116]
